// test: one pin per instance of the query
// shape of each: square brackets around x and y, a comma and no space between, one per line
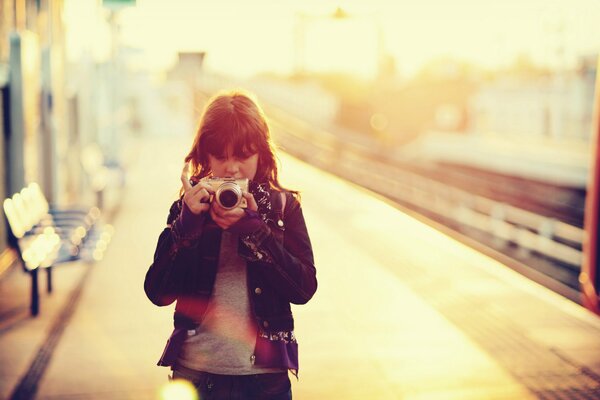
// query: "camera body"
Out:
[228,191]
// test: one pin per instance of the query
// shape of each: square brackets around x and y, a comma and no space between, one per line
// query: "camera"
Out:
[228,191]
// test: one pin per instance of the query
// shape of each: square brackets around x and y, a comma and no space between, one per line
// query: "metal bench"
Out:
[44,236]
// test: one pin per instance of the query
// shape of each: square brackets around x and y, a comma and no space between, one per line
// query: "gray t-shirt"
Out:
[224,343]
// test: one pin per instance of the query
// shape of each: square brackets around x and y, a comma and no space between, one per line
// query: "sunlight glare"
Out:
[350,45]
[178,389]
[275,36]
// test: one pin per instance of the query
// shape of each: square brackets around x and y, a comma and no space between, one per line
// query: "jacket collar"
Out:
[262,195]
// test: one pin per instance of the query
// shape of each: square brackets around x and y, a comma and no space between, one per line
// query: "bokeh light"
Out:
[178,389]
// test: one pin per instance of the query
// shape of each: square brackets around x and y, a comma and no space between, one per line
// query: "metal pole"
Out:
[16,134]
[113,142]
[47,133]
[49,279]
[35,293]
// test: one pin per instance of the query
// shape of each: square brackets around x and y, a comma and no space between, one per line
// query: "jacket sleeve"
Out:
[171,257]
[289,266]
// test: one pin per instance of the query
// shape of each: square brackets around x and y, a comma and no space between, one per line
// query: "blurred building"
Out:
[530,124]
[557,106]
[34,106]
[187,70]
[59,114]
[304,99]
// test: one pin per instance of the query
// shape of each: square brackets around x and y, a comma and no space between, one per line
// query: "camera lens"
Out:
[228,198]
[228,195]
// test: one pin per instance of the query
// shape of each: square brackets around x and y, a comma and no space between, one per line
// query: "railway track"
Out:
[536,228]
[532,227]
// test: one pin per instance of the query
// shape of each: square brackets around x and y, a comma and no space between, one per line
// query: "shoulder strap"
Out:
[283,199]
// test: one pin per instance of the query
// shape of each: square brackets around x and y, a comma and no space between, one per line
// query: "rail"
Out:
[537,233]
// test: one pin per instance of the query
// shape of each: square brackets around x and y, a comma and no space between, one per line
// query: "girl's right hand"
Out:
[195,197]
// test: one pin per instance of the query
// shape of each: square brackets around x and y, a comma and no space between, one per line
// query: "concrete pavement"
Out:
[373,330]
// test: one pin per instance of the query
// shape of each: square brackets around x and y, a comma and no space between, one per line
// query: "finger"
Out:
[227,215]
[185,177]
[204,195]
[197,194]
[216,209]
[218,220]
[231,217]
[214,215]
[251,201]
[203,207]
[195,206]
[234,214]
[206,186]
[193,200]
[199,208]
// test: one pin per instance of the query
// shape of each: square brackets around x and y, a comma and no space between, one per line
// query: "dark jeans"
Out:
[272,386]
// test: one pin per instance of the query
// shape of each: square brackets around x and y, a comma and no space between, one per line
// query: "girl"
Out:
[233,272]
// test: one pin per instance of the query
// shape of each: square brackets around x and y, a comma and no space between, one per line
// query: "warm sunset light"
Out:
[344,43]
[243,38]
[309,199]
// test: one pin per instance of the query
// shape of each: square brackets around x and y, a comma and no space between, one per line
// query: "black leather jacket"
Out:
[280,271]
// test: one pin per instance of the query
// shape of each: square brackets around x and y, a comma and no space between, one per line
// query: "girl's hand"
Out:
[226,218]
[195,197]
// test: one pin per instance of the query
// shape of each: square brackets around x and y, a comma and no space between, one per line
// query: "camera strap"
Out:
[283,199]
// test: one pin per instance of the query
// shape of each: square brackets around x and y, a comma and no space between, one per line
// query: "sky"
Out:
[245,37]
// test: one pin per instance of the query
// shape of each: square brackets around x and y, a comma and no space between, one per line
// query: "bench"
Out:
[44,236]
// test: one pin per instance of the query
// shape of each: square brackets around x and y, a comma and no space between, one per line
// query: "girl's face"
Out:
[233,166]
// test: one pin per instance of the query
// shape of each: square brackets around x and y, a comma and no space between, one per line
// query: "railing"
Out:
[533,232]
[359,160]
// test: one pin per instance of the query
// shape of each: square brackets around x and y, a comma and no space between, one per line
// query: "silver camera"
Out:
[228,191]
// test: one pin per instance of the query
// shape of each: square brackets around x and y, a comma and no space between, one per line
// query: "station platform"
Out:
[403,311]
[561,162]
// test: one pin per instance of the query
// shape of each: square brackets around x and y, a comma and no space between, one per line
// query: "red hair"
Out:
[233,121]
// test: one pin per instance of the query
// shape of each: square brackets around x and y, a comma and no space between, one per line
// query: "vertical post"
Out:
[15,138]
[3,166]
[112,144]
[590,274]
[35,293]
[47,134]
[49,279]
[100,197]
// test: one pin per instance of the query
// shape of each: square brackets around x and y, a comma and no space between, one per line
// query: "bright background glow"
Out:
[243,37]
[178,389]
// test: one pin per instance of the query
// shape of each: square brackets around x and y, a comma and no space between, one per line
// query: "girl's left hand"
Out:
[226,218]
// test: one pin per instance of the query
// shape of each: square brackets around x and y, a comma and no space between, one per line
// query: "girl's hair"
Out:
[234,121]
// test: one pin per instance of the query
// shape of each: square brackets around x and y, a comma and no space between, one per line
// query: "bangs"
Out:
[230,136]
